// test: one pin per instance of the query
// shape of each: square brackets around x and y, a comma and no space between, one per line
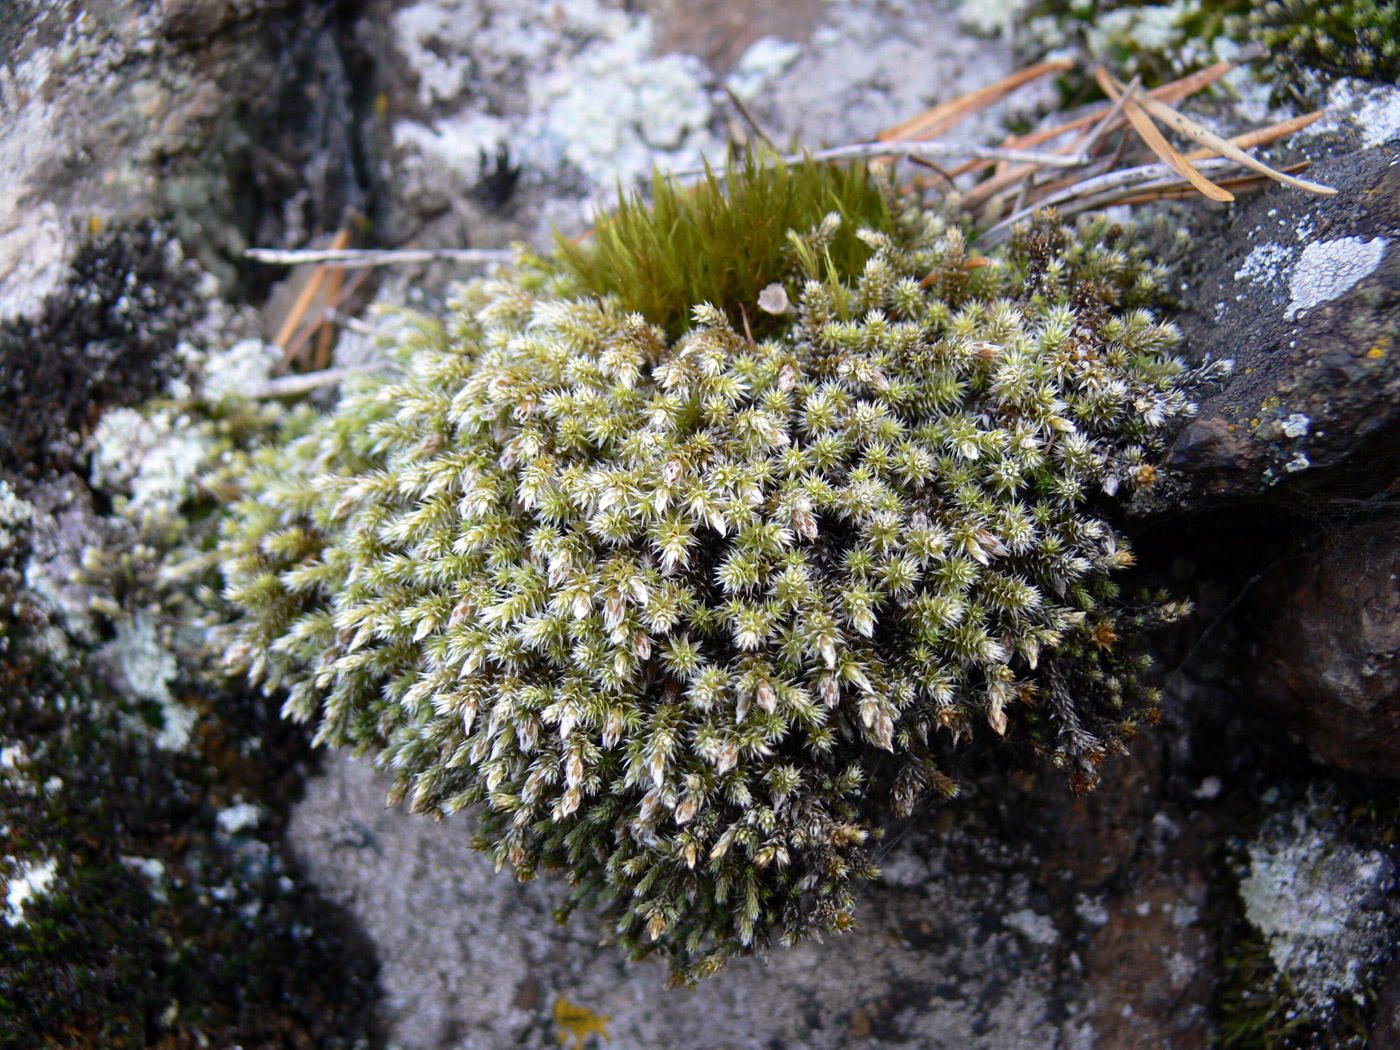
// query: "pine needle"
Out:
[1156,141]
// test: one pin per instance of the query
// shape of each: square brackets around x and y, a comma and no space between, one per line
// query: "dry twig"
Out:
[356,258]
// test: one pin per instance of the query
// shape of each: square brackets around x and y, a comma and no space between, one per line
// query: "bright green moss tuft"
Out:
[722,244]
[687,618]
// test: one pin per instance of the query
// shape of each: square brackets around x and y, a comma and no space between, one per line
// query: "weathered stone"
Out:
[1385,1033]
[1323,905]
[1149,966]
[943,956]
[1302,292]
[1327,649]
[105,121]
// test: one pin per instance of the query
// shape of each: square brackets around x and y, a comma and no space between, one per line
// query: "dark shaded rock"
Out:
[105,337]
[1149,966]
[1385,1035]
[1327,650]
[157,927]
[198,19]
[1303,293]
[1087,839]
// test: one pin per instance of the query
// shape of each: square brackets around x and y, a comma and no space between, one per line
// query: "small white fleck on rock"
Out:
[1263,264]
[1296,425]
[1209,788]
[240,817]
[1036,928]
[28,882]
[1297,463]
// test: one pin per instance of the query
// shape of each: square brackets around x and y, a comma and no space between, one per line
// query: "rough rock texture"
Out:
[1015,917]
[955,948]
[117,110]
[595,95]
[1328,655]
[1321,904]
[1303,293]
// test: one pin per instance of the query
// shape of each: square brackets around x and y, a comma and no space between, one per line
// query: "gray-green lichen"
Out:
[687,617]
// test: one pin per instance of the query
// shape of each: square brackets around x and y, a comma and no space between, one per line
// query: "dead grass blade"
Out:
[306,297]
[1243,183]
[1083,146]
[358,258]
[1263,136]
[1101,191]
[1173,92]
[1210,140]
[940,118]
[1156,141]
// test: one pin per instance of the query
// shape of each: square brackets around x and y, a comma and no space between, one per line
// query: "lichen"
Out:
[1318,902]
[1328,269]
[15,514]
[1316,929]
[687,615]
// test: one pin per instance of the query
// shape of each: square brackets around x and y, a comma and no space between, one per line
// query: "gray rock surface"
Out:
[941,958]
[123,109]
[589,96]
[1328,656]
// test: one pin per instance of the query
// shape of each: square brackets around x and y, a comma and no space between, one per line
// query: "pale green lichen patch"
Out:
[15,515]
[687,614]
[1329,269]
[1319,902]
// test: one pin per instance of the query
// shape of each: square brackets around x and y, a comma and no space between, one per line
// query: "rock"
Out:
[469,958]
[1327,647]
[107,122]
[1385,1034]
[1302,292]
[1091,837]
[1149,966]
[626,88]
[199,19]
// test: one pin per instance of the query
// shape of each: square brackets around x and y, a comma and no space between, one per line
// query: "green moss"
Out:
[688,618]
[1358,38]
[722,243]
[1305,38]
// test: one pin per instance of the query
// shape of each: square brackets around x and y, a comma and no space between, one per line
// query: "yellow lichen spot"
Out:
[1253,423]
[1248,371]
[381,106]
[579,1022]
[94,224]
[1378,351]
[1230,427]
[1269,402]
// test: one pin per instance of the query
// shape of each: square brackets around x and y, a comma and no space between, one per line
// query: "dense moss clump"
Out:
[687,618]
[1359,38]
[1163,40]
